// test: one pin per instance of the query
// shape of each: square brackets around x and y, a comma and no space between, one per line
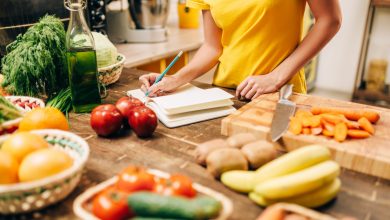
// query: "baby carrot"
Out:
[350,113]
[366,125]
[358,134]
[340,132]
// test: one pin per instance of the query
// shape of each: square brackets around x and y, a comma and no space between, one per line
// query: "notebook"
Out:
[188,104]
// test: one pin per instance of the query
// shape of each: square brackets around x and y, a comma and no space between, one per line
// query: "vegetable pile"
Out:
[35,63]
[139,193]
[337,123]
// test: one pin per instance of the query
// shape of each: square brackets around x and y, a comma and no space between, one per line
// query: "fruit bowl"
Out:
[24,104]
[35,195]
[110,74]
[82,204]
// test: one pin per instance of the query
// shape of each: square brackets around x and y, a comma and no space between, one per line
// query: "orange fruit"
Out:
[44,118]
[22,143]
[8,168]
[43,163]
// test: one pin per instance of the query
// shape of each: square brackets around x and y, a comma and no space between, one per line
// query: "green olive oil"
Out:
[82,68]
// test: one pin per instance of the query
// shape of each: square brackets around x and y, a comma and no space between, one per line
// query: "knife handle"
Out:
[285,92]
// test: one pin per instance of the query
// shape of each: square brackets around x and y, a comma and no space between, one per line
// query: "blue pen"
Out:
[159,78]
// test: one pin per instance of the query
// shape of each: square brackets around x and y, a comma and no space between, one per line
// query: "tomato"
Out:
[126,104]
[111,204]
[134,179]
[106,120]
[177,184]
[143,121]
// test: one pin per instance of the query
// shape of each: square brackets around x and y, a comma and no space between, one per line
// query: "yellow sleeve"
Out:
[198,4]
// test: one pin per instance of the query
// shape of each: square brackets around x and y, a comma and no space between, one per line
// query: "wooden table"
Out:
[172,150]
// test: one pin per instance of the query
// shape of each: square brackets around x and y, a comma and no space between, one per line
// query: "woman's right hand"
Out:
[167,84]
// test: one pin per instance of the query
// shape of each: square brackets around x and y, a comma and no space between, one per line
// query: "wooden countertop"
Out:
[172,150]
[178,39]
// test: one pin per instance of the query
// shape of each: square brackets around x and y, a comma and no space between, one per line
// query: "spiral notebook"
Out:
[188,104]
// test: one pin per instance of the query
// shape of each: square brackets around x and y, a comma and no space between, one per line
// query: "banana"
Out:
[239,180]
[312,199]
[293,161]
[300,182]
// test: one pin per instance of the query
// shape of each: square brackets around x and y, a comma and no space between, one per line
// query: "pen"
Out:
[159,78]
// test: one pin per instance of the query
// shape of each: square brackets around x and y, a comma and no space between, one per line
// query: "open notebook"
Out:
[188,104]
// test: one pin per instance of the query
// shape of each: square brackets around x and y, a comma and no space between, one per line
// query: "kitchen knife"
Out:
[284,110]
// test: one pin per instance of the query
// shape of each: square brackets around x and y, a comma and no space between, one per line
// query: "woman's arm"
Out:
[205,59]
[327,14]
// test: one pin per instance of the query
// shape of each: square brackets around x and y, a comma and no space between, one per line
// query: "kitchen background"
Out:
[339,70]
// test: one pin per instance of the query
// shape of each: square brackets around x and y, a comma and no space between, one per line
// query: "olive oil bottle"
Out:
[81,60]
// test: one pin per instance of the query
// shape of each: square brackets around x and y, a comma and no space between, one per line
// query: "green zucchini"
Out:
[146,204]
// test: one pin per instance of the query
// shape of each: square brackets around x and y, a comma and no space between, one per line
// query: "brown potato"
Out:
[225,159]
[204,149]
[295,217]
[259,153]
[239,140]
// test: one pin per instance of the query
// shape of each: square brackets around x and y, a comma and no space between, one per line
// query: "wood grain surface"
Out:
[369,156]
[172,150]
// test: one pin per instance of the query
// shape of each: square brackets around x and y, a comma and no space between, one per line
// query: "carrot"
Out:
[327,126]
[316,130]
[315,121]
[306,122]
[340,132]
[366,125]
[295,126]
[328,133]
[351,114]
[358,134]
[306,131]
[332,118]
[300,113]
[272,213]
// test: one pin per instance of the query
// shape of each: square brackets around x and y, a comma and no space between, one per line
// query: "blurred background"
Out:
[353,66]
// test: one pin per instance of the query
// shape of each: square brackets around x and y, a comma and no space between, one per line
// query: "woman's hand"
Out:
[254,86]
[167,84]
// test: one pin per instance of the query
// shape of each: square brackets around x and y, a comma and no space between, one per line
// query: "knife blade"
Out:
[284,110]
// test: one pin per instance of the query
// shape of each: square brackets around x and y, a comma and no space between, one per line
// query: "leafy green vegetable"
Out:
[7,110]
[62,101]
[35,64]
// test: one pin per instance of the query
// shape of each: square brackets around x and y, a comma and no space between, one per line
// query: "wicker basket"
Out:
[110,74]
[12,125]
[31,196]
[82,204]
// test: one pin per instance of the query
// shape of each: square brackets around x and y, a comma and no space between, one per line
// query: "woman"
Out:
[257,44]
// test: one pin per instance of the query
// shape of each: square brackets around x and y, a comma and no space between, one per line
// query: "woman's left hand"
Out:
[254,86]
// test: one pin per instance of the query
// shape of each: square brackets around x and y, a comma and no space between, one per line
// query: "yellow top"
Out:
[257,35]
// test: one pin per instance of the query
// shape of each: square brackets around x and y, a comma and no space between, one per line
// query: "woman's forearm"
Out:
[205,59]
[207,55]
[324,29]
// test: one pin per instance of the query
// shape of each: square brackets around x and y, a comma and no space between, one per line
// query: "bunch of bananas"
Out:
[306,176]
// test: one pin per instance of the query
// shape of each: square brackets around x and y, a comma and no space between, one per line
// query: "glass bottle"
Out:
[81,59]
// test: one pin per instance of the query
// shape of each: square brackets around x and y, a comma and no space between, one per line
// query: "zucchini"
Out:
[146,204]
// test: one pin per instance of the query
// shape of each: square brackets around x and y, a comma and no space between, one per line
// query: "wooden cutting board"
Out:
[370,156]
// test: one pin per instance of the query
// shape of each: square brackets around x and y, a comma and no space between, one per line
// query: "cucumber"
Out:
[146,204]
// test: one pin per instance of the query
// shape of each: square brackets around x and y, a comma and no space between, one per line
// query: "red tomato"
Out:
[106,120]
[134,179]
[143,121]
[177,184]
[126,104]
[111,204]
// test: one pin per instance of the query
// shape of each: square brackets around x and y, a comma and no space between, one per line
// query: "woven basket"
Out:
[110,74]
[11,126]
[82,204]
[35,195]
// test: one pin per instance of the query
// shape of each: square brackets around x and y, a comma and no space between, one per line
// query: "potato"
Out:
[259,153]
[239,140]
[295,217]
[225,159]
[204,149]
